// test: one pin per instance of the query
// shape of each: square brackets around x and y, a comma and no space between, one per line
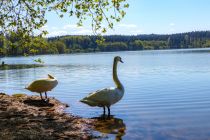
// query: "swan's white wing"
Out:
[103,97]
[42,85]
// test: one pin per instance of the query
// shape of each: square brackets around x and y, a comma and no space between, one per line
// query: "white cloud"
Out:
[127,25]
[136,32]
[82,32]
[69,29]
[57,33]
[172,29]
[73,29]
[45,27]
[54,28]
[127,29]
[70,26]
[172,24]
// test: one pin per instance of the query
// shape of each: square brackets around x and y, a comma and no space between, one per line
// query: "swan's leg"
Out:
[41,96]
[45,95]
[108,111]
[104,110]
[46,99]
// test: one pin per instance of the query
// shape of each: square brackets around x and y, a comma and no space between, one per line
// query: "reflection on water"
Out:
[111,125]
[167,92]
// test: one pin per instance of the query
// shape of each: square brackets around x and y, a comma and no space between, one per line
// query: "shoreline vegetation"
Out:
[19,66]
[27,117]
[11,45]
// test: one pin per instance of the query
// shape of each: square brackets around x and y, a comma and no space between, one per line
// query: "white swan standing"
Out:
[43,85]
[107,96]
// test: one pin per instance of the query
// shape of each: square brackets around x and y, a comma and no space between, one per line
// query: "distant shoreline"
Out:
[110,43]
[98,52]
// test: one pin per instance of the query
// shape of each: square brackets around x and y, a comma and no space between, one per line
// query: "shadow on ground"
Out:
[37,103]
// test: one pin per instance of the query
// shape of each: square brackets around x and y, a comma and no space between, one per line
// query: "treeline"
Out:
[11,45]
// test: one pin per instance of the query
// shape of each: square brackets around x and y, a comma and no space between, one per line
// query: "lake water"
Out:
[167,92]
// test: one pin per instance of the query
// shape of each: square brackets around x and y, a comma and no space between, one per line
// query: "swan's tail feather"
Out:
[50,76]
[88,102]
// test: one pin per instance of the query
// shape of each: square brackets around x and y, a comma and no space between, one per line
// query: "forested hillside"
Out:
[10,45]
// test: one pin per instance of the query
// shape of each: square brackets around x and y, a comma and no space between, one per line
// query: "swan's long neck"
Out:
[115,77]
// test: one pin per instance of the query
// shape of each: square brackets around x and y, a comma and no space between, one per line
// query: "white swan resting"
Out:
[107,96]
[43,85]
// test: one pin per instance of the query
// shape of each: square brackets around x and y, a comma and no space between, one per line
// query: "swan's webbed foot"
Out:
[46,99]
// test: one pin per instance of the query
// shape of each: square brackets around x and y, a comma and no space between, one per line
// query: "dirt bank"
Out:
[26,117]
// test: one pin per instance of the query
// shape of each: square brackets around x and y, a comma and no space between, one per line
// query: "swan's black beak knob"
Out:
[121,61]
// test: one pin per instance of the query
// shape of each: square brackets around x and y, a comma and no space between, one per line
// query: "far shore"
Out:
[104,52]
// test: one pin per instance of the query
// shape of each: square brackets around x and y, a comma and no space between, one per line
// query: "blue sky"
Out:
[144,17]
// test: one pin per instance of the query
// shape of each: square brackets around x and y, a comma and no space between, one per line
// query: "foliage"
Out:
[39,60]
[26,16]
[72,44]
[21,19]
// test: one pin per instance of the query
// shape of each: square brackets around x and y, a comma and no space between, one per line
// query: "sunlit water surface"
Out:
[167,93]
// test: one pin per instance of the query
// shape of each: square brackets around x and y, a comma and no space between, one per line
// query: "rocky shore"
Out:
[27,117]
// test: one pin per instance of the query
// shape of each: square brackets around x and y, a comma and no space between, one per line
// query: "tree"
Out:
[137,45]
[61,47]
[28,16]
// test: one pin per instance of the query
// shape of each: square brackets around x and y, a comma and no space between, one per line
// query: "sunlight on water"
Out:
[166,92]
